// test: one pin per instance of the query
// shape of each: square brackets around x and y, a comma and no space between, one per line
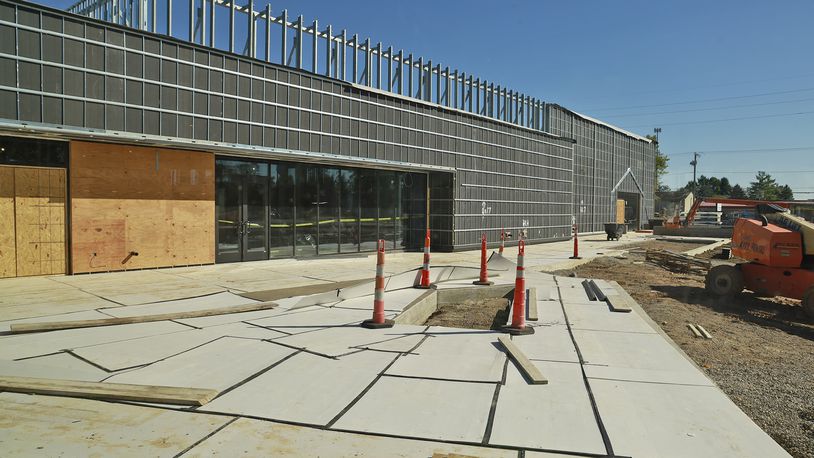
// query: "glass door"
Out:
[227,213]
[241,202]
[255,216]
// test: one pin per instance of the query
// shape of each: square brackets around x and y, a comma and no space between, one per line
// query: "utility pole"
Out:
[694,165]
[657,131]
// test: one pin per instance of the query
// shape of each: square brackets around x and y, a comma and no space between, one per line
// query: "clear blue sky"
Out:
[602,57]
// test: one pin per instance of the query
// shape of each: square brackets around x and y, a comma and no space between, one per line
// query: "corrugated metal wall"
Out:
[64,70]
[601,157]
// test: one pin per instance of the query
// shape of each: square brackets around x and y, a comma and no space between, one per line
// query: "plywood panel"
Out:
[39,210]
[157,202]
[620,211]
[8,252]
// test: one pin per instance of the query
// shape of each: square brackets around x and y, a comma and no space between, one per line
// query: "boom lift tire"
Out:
[808,302]
[724,281]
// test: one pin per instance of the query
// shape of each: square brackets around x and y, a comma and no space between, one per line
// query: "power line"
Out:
[706,109]
[732,151]
[727,84]
[707,121]
[734,97]
[753,172]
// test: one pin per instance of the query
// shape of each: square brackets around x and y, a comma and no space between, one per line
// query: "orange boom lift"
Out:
[780,249]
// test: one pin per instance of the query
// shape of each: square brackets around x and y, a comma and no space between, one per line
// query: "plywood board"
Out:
[305,388]
[39,212]
[154,201]
[432,409]
[620,211]
[8,251]
[247,437]
[52,426]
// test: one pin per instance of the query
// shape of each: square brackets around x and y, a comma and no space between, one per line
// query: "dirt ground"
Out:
[485,314]
[762,350]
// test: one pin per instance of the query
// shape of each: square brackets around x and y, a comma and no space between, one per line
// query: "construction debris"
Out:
[699,331]
[678,262]
[706,334]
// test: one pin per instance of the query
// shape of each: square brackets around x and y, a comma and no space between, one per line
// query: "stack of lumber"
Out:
[678,262]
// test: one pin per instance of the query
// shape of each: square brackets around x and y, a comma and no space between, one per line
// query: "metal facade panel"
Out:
[601,157]
[508,177]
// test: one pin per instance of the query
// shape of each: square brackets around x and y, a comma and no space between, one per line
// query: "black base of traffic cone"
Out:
[370,324]
[509,329]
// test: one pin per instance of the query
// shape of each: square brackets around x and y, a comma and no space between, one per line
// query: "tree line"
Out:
[763,188]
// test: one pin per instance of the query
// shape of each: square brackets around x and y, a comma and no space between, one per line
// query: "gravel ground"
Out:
[761,353]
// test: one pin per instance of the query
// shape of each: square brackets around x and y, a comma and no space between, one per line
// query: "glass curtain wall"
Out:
[311,210]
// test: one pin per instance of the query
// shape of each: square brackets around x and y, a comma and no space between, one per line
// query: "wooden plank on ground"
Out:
[694,330]
[703,331]
[528,368]
[531,298]
[108,391]
[58,325]
[617,304]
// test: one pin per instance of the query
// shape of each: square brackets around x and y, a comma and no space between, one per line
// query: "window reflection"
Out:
[311,210]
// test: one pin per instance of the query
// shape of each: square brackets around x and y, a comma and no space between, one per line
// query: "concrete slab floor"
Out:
[217,365]
[336,341]
[56,366]
[431,409]
[375,402]
[59,426]
[555,416]
[305,388]
[146,350]
[663,420]
[247,437]
[474,357]
[37,344]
